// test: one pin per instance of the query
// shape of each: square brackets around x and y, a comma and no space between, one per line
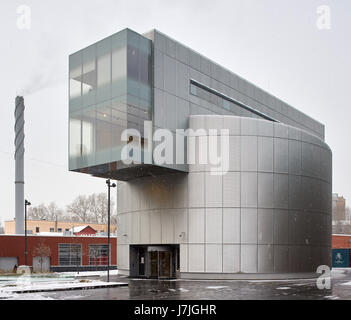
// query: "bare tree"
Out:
[38,213]
[79,209]
[94,208]
[85,209]
[54,212]
[42,251]
[114,219]
[98,207]
[103,204]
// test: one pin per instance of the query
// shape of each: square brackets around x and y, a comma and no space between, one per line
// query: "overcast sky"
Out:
[276,44]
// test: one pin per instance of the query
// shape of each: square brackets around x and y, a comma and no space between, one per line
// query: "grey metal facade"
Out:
[269,216]
[175,65]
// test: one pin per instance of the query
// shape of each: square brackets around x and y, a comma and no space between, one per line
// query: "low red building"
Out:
[84,231]
[341,241]
[57,253]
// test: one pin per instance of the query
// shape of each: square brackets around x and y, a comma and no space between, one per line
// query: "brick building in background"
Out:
[341,255]
[341,216]
[341,241]
[57,253]
[339,207]
[39,226]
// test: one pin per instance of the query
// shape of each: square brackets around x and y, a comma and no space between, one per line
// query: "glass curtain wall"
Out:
[110,90]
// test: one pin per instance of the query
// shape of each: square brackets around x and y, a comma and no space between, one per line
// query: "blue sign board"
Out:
[341,258]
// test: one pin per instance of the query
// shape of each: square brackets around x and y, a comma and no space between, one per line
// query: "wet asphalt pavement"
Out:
[214,290]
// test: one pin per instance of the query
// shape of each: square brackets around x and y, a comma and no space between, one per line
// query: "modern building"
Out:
[57,253]
[267,214]
[39,226]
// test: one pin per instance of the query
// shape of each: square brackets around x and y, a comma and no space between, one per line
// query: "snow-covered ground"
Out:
[54,286]
[88,273]
[29,296]
[12,287]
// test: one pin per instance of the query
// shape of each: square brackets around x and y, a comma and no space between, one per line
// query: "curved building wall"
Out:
[269,216]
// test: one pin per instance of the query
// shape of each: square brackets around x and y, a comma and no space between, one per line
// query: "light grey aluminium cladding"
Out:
[175,65]
[269,216]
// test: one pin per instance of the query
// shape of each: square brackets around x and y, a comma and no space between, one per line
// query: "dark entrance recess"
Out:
[154,261]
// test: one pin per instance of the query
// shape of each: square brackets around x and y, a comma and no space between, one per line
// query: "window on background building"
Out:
[52,230]
[59,230]
[98,254]
[37,229]
[70,254]
[67,230]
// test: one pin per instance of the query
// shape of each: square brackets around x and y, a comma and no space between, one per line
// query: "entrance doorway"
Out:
[155,262]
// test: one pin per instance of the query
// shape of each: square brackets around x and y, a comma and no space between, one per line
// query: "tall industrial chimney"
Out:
[19,169]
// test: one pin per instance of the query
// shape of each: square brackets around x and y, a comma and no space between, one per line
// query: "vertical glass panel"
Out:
[104,71]
[133,63]
[145,96]
[75,82]
[103,132]
[145,61]
[88,136]
[165,264]
[89,76]
[119,64]
[75,130]
[119,69]
[118,125]
[153,258]
[133,56]
[119,72]
[75,79]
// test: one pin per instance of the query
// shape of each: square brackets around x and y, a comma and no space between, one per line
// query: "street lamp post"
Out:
[109,185]
[26,203]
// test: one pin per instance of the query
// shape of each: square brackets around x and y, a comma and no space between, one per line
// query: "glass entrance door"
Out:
[164,263]
[141,262]
[154,264]
[160,264]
